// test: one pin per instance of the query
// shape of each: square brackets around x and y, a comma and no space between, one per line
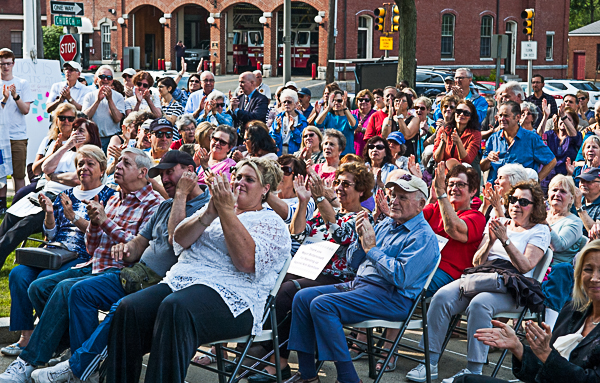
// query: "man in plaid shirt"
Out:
[119,222]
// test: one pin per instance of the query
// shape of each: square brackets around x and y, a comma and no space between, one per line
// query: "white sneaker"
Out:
[464,371]
[55,374]
[418,374]
[18,371]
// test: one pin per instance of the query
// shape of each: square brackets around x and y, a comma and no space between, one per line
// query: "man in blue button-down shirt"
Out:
[397,257]
[513,144]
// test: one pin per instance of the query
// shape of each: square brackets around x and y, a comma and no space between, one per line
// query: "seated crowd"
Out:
[184,206]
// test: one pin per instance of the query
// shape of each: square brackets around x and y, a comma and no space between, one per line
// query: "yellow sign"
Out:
[386,43]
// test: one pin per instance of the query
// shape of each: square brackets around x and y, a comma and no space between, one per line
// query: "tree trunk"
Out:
[407,47]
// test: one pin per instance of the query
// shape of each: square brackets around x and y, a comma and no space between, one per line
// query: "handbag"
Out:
[473,284]
[137,277]
[45,258]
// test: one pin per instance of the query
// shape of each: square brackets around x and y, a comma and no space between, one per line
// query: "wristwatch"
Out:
[506,243]
[564,117]
[17,98]
[71,100]
[320,199]
[579,209]
[75,219]
[445,195]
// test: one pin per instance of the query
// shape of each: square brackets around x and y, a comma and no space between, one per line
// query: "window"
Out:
[485,47]
[16,43]
[364,40]
[448,36]
[105,36]
[549,45]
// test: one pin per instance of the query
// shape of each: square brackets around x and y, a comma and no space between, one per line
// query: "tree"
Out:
[51,36]
[582,12]
[407,41]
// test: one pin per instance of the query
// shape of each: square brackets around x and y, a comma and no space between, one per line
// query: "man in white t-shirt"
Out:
[17,106]
[71,90]
[104,106]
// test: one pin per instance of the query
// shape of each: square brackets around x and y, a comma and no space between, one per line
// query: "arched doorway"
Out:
[245,39]
[194,31]
[148,35]
[305,37]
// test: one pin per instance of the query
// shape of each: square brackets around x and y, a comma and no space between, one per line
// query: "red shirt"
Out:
[177,144]
[457,256]
[374,125]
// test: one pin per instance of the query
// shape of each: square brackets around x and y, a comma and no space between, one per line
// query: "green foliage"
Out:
[51,36]
[583,12]
[490,77]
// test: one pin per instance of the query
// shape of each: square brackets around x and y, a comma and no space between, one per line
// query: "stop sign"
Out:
[68,47]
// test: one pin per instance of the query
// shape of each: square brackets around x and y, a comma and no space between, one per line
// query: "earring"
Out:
[264,197]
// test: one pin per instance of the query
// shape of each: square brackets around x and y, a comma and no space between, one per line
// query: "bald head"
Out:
[247,82]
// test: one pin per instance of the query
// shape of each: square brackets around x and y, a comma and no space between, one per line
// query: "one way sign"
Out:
[66,8]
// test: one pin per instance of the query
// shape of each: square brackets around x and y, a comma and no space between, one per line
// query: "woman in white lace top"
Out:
[230,254]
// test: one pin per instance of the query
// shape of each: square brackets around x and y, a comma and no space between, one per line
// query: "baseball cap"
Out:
[291,84]
[129,71]
[409,183]
[305,91]
[590,175]
[73,64]
[397,136]
[449,79]
[170,159]
[146,124]
[160,123]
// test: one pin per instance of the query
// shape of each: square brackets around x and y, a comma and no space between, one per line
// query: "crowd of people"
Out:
[206,194]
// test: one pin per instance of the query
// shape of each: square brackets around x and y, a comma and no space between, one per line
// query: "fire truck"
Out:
[305,48]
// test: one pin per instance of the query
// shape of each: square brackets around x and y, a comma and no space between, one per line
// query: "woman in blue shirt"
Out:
[337,116]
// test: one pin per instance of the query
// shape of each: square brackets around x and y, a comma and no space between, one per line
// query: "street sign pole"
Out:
[499,51]
[529,53]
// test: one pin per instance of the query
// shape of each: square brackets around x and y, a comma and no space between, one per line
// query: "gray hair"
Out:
[141,158]
[515,172]
[289,93]
[531,108]
[514,87]
[214,95]
[424,100]
[105,67]
[184,120]
[467,70]
[206,73]
[132,117]
[337,134]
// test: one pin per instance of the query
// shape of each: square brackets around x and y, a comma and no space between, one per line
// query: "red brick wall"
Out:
[588,45]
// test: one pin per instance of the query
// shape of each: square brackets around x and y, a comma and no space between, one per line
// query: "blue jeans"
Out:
[439,280]
[50,296]
[19,279]
[318,314]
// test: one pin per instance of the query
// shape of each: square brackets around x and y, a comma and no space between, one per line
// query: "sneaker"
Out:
[13,349]
[464,371]
[418,374]
[18,371]
[56,374]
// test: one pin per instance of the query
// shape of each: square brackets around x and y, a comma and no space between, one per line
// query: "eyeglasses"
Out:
[451,107]
[81,80]
[163,134]
[378,146]
[339,100]
[459,185]
[459,78]
[462,111]
[142,84]
[309,135]
[219,141]
[192,129]
[210,80]
[220,104]
[66,118]
[582,98]
[523,202]
[364,99]
[421,108]
[300,95]
[6,64]
[390,95]
[345,184]
[105,77]
[287,170]
[194,82]
[285,102]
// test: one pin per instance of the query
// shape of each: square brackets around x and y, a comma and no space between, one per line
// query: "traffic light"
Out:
[395,18]
[528,15]
[379,19]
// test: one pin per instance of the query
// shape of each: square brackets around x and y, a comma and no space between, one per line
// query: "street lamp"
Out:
[211,21]
[121,21]
[163,22]
[318,19]
[263,20]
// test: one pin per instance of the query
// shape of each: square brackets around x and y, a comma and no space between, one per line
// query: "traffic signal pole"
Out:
[529,15]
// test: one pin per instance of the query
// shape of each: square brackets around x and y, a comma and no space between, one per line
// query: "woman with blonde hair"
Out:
[311,146]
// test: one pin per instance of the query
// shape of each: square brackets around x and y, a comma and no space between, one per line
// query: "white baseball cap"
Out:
[73,64]
[409,183]
[130,71]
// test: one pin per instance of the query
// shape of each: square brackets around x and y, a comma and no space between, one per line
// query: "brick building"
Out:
[450,34]
[584,51]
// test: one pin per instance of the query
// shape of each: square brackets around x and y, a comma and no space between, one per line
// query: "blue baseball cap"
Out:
[397,136]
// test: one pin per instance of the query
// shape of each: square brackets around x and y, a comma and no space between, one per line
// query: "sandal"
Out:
[204,360]
[357,351]
[12,350]
[391,366]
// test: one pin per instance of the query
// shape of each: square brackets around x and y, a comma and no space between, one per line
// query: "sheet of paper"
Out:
[311,258]
[441,241]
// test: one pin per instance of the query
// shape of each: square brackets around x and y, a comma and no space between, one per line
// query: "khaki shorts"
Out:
[18,150]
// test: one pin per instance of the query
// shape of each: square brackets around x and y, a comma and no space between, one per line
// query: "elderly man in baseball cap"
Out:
[71,90]
[588,206]
[394,260]
[161,138]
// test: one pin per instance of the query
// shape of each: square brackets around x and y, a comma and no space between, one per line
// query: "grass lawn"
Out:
[8,266]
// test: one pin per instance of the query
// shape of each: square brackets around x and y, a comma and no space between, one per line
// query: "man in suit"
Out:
[249,106]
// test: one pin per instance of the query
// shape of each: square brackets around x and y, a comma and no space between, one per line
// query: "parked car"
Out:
[564,87]
[548,89]
[194,55]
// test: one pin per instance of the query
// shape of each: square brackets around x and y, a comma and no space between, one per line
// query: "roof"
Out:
[590,29]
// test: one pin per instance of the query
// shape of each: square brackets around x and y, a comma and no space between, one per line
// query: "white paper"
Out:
[311,258]
[24,207]
[441,241]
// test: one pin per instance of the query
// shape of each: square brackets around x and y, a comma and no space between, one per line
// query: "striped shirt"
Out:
[173,109]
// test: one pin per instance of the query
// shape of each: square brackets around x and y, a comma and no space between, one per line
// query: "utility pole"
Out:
[287,40]
[30,30]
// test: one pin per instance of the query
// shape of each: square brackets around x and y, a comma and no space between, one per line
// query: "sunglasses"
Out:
[300,95]
[421,108]
[126,76]
[194,82]
[451,107]
[466,113]
[81,79]
[66,118]
[378,146]
[220,104]
[522,201]
[105,77]
[340,100]
[163,134]
[309,135]
[219,141]
[285,102]
[142,84]
[365,99]
[582,98]
[287,170]
[345,184]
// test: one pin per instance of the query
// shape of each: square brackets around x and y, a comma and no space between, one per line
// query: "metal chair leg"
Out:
[220,366]
[371,349]
[426,338]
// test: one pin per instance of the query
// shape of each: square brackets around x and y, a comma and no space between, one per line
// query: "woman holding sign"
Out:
[353,184]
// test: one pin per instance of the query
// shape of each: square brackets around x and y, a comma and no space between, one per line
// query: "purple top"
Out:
[567,149]
[218,168]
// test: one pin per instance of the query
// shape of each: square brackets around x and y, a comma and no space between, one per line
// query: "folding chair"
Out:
[538,274]
[266,335]
[409,323]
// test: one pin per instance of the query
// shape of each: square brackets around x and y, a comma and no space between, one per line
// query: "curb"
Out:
[7,336]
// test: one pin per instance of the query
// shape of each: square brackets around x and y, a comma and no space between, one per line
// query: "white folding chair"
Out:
[408,324]
[538,274]
[266,335]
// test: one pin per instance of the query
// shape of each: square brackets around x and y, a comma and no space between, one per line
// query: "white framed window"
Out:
[364,45]
[549,45]
[105,38]
[485,40]
[448,35]
[16,43]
